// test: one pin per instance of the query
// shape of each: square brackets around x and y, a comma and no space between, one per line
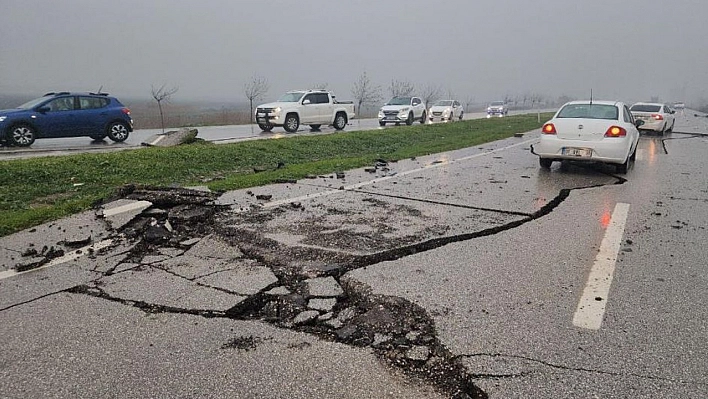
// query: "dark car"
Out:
[64,114]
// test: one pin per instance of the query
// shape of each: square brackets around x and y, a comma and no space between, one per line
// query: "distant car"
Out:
[679,106]
[446,110]
[498,108]
[65,114]
[657,117]
[597,131]
[403,109]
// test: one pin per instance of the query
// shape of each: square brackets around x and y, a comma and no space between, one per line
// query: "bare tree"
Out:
[160,95]
[430,94]
[320,86]
[468,103]
[365,92]
[401,88]
[255,90]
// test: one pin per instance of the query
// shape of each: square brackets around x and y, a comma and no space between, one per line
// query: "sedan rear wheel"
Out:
[622,168]
[118,131]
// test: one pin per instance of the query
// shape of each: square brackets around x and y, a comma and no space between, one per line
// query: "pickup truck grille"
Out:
[264,110]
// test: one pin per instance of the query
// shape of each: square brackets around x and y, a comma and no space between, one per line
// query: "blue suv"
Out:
[65,114]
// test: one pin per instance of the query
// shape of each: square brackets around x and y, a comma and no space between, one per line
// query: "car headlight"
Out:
[447,111]
[277,110]
[2,118]
[403,110]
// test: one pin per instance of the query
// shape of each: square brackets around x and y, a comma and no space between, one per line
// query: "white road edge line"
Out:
[380,179]
[75,254]
[591,308]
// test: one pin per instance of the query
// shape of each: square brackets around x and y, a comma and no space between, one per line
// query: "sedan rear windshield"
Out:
[589,111]
[645,108]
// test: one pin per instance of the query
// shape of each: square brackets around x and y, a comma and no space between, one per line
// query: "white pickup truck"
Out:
[304,107]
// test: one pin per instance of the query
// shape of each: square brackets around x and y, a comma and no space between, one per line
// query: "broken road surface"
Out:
[449,276]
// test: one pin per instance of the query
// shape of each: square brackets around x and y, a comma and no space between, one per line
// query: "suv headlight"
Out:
[402,110]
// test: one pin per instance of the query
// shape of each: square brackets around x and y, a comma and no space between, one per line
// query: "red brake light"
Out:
[126,111]
[615,131]
[548,128]
[658,117]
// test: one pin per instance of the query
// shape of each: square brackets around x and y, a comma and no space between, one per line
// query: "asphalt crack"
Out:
[566,368]
[400,333]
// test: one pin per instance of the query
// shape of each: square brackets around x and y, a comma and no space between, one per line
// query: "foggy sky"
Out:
[484,50]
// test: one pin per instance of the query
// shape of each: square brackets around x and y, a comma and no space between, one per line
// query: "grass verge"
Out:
[38,190]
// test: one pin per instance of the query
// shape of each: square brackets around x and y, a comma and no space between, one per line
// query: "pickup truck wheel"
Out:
[340,121]
[292,123]
[423,118]
[266,127]
[545,162]
[315,127]
[409,121]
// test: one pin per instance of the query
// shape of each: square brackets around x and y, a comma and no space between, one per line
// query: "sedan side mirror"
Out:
[638,122]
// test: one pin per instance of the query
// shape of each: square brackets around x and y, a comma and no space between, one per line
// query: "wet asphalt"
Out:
[450,275]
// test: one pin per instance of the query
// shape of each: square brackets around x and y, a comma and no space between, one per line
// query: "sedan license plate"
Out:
[577,152]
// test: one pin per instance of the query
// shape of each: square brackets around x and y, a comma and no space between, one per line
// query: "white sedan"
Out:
[590,131]
[656,116]
[446,110]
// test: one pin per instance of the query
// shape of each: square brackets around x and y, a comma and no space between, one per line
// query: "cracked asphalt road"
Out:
[453,275]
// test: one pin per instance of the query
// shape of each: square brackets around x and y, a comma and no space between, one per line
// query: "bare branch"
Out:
[401,88]
[255,90]
[364,92]
[320,86]
[430,94]
[160,95]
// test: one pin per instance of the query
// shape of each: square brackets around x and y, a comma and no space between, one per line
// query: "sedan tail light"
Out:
[615,131]
[548,128]
[658,117]
[126,111]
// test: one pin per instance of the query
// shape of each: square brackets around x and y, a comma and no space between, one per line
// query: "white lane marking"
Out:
[75,254]
[126,208]
[591,308]
[380,179]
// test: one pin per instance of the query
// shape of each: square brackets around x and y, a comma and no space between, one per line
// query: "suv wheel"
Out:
[21,135]
[266,127]
[118,131]
[409,121]
[292,123]
[423,118]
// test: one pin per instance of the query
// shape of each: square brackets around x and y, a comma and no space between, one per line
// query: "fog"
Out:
[628,50]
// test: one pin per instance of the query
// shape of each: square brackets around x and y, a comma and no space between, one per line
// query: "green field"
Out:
[38,190]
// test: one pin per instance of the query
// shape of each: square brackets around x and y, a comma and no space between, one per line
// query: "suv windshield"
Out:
[589,111]
[291,97]
[443,103]
[645,108]
[32,103]
[400,101]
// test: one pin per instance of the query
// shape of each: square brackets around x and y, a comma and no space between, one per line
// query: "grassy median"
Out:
[38,190]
